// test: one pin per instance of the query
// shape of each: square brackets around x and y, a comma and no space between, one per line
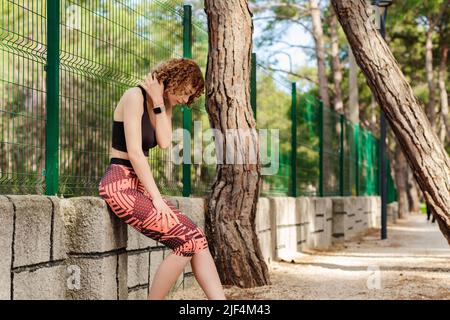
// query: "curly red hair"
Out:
[177,74]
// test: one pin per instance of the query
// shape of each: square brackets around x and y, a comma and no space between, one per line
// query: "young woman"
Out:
[142,120]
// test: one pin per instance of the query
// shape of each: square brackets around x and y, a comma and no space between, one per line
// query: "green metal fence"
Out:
[65,65]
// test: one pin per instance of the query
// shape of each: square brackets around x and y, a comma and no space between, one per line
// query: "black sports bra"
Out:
[148,133]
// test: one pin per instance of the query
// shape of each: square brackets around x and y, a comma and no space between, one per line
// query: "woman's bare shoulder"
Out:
[132,101]
[133,94]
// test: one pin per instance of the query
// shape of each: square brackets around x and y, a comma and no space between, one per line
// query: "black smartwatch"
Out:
[159,109]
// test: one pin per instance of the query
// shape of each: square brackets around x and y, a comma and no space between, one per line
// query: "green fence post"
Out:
[358,153]
[52,104]
[187,113]
[294,140]
[253,85]
[341,156]
[321,159]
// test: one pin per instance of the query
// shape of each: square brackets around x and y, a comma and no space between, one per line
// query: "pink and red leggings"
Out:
[127,199]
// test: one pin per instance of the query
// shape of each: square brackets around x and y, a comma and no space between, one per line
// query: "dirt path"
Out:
[414,263]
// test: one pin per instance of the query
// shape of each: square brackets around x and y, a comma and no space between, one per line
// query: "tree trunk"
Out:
[320,51]
[421,146]
[445,134]
[353,100]
[231,208]
[431,107]
[336,63]
[401,179]
[413,193]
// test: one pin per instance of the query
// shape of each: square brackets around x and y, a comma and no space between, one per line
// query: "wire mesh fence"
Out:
[106,47]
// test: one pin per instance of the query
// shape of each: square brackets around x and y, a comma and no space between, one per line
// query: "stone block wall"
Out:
[75,248]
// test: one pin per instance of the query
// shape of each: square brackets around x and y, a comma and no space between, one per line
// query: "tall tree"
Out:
[433,20]
[422,148]
[413,193]
[401,180]
[442,78]
[336,62]
[231,208]
[320,51]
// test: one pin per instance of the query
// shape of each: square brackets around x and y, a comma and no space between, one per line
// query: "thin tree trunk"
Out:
[320,51]
[231,208]
[401,178]
[422,148]
[431,107]
[336,63]
[413,193]
[353,103]
[445,134]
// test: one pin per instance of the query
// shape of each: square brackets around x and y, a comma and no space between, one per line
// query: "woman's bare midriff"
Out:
[114,153]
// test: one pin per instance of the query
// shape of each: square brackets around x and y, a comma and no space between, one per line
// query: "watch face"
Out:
[157,110]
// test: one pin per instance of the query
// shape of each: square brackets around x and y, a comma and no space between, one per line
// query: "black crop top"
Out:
[148,133]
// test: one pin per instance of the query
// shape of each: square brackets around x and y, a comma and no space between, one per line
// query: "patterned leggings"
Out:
[127,198]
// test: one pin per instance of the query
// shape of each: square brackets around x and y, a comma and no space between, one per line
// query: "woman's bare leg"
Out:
[166,275]
[205,272]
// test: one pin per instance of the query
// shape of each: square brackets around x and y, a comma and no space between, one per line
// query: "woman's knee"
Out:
[195,244]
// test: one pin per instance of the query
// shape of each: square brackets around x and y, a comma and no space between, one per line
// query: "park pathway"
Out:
[413,263]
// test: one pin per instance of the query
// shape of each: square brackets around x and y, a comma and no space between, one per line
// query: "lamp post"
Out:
[383,5]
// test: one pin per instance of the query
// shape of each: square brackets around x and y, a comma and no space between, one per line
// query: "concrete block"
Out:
[286,229]
[262,224]
[303,208]
[98,278]
[32,229]
[319,233]
[262,219]
[58,249]
[136,240]
[173,200]
[6,238]
[365,214]
[138,269]
[358,210]
[122,276]
[194,208]
[339,212]
[392,212]
[326,205]
[156,257]
[90,227]
[375,212]
[350,229]
[320,205]
[45,283]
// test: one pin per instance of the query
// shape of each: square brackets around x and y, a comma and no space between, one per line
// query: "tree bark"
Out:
[421,146]
[320,51]
[231,208]
[336,63]
[401,179]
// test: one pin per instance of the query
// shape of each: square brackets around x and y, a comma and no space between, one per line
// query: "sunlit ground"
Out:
[413,263]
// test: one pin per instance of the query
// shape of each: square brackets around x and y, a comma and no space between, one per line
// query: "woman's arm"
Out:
[133,101]
[164,128]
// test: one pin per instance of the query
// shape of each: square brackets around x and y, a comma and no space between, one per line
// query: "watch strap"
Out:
[159,108]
